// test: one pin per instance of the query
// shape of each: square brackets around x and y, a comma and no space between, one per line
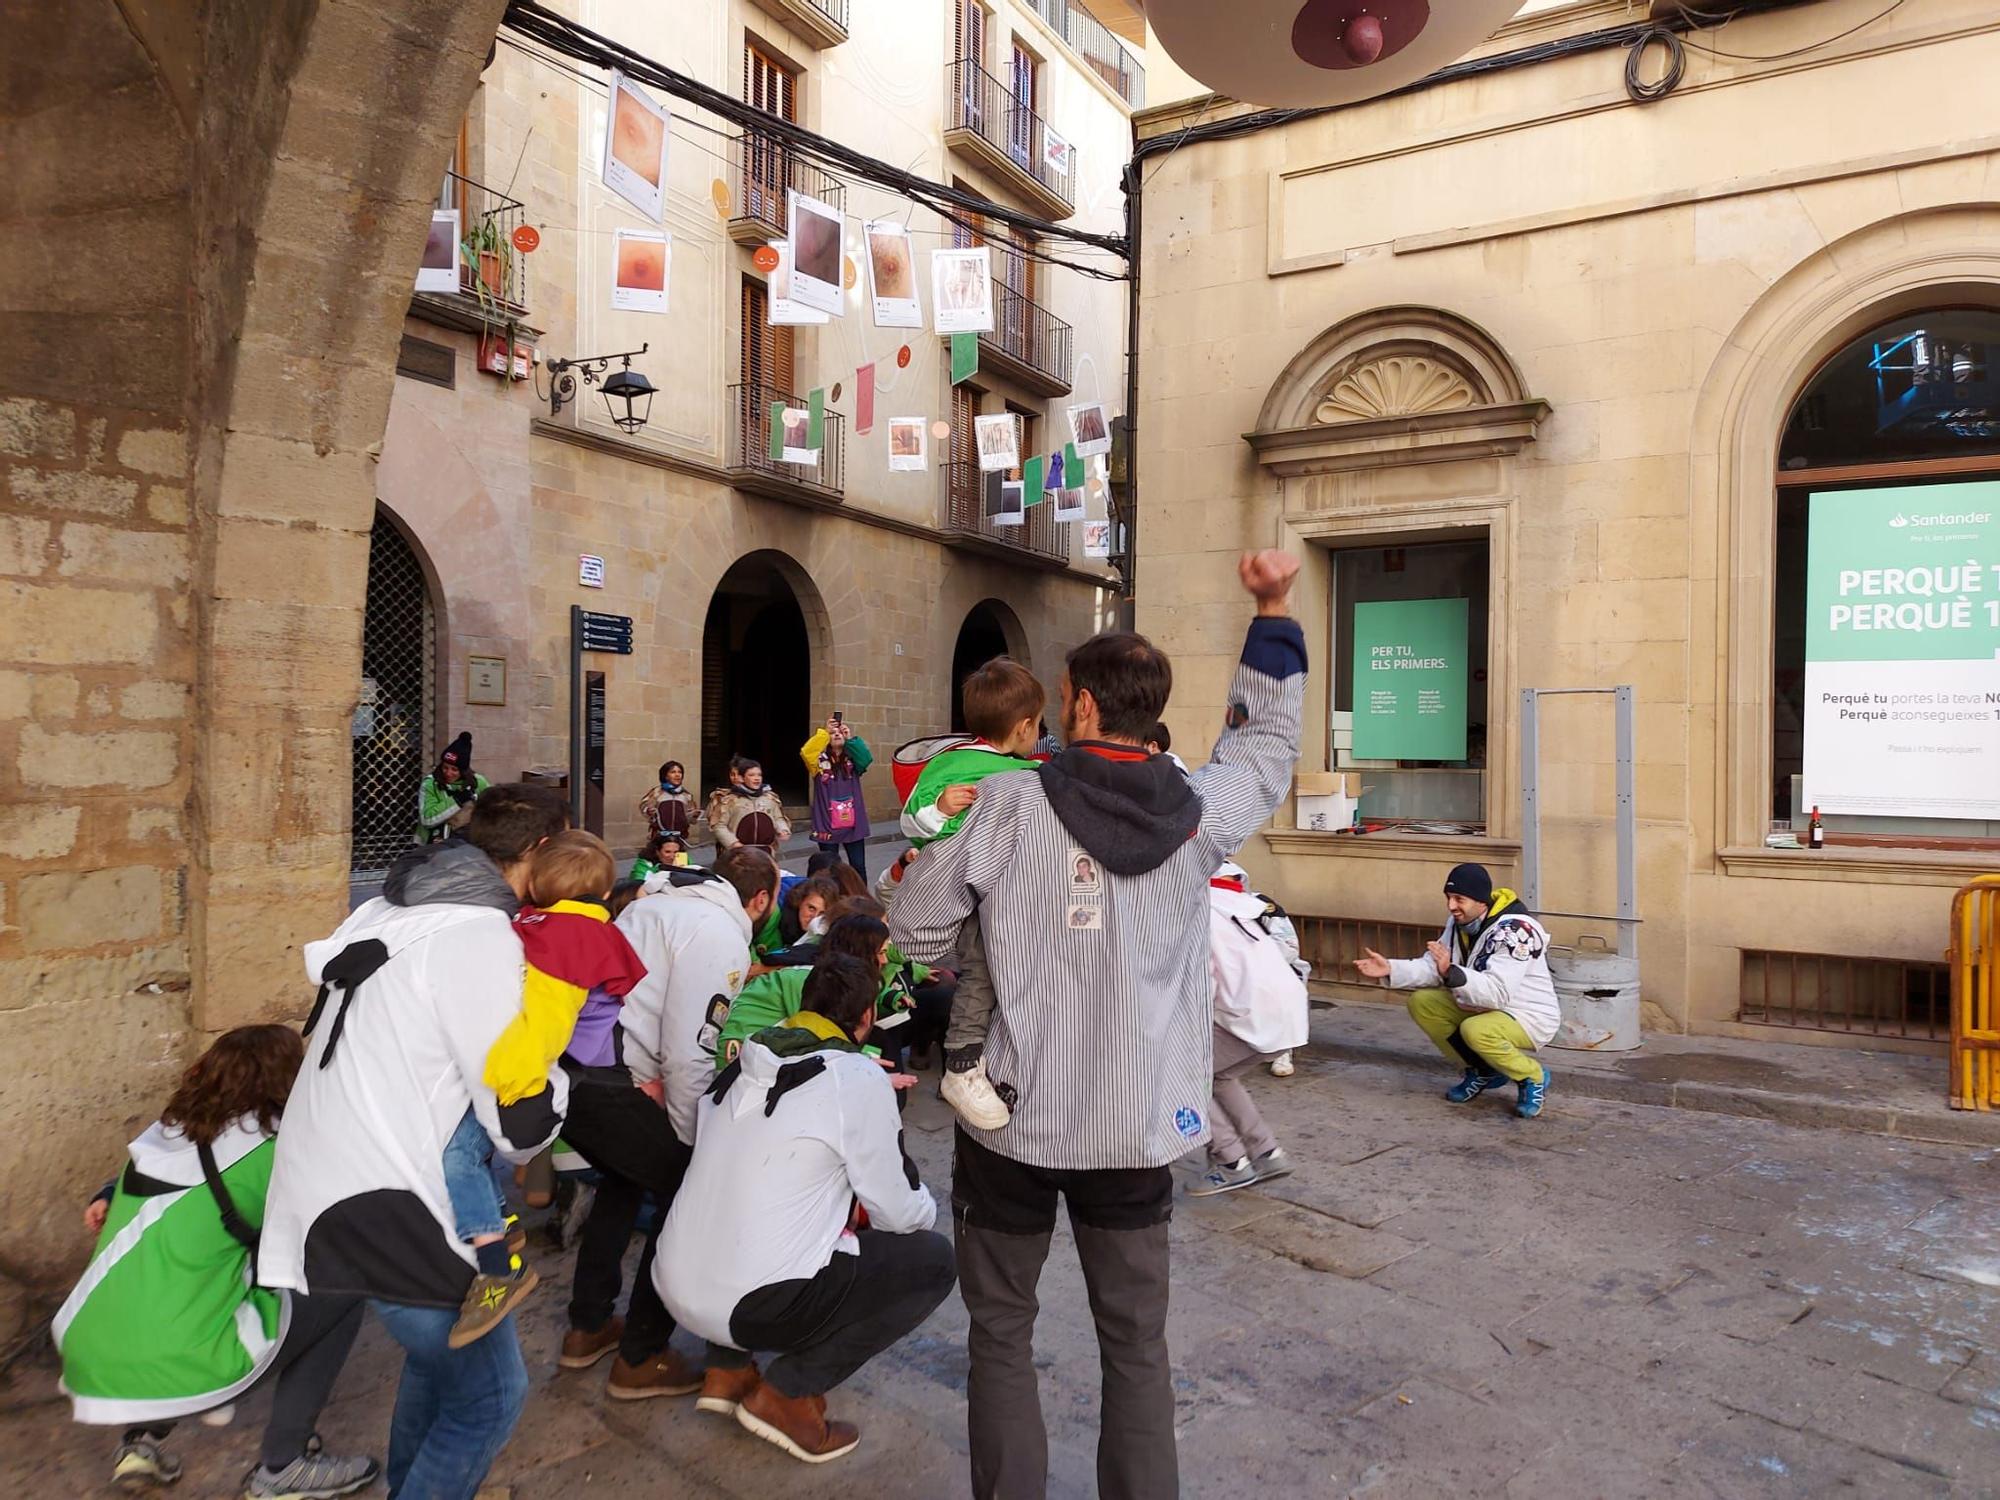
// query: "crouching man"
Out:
[1483,991]
[801,1227]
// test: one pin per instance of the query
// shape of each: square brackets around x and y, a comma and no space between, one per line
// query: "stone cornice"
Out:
[1484,431]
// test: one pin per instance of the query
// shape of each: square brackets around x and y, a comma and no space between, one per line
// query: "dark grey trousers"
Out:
[1005,1213]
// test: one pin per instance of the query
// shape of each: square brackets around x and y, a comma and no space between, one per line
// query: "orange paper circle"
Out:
[903,357]
[848,274]
[526,238]
[940,430]
[719,191]
[765,259]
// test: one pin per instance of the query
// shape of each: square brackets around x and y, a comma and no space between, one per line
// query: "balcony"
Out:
[1097,47]
[762,169]
[996,128]
[490,270]
[1038,539]
[821,22]
[753,470]
[1029,345]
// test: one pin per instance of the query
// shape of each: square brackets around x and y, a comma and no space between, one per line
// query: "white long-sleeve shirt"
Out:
[767,1196]
[695,943]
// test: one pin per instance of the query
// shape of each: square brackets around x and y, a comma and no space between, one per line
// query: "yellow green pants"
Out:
[1477,1038]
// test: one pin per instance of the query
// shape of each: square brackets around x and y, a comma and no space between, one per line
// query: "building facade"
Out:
[1612,374]
[763,595]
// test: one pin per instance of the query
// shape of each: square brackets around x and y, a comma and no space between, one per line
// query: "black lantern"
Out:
[628,395]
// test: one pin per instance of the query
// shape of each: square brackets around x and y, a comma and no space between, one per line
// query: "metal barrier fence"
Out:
[1975,1008]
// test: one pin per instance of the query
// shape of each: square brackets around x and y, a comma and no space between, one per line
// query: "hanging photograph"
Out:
[1057,152]
[785,313]
[635,149]
[962,290]
[1096,538]
[999,442]
[438,270]
[1069,505]
[1013,512]
[815,253]
[639,262]
[909,444]
[892,276]
[798,447]
[1092,428]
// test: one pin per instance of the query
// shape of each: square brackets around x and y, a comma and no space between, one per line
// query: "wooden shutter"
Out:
[1023,137]
[766,351]
[767,84]
[969,34]
[964,407]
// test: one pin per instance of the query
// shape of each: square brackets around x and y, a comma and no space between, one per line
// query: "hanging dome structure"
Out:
[1301,53]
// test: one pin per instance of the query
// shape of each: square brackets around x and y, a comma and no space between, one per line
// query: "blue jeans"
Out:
[857,854]
[455,1408]
[468,1181]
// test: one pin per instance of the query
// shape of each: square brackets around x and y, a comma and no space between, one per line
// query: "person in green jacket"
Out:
[777,996]
[168,1321]
[662,851]
[444,802]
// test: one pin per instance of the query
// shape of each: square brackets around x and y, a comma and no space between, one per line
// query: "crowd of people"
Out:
[727,1049]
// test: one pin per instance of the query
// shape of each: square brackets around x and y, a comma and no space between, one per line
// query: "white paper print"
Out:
[635,148]
[1070,506]
[999,441]
[1011,511]
[892,276]
[785,313]
[640,260]
[1096,538]
[816,253]
[438,270]
[962,290]
[798,433]
[1092,428]
[1056,151]
[909,443]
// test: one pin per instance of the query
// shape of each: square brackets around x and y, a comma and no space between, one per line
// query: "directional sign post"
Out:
[589,631]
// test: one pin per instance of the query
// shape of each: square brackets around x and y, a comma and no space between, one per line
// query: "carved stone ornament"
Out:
[1398,385]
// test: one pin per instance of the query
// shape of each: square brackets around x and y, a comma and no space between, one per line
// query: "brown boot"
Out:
[797,1424]
[581,1350]
[723,1390]
[665,1374]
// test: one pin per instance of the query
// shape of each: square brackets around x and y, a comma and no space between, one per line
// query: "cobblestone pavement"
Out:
[1616,1300]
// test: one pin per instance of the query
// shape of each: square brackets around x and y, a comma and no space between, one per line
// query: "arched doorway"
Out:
[756,674]
[395,717]
[981,637]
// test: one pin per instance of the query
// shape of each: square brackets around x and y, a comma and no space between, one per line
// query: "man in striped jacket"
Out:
[1089,879]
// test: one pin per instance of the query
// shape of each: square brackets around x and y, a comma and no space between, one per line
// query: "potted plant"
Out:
[488,261]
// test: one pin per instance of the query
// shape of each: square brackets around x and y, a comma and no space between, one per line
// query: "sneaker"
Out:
[723,1389]
[311,1476]
[1475,1082]
[141,1464]
[1224,1178]
[1281,1066]
[972,1094]
[665,1374]
[797,1424]
[1273,1163]
[218,1416]
[581,1350]
[488,1300]
[1533,1092]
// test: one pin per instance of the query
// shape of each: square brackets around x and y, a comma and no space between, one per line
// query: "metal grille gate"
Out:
[393,721]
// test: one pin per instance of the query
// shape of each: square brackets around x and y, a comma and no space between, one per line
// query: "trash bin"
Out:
[1598,991]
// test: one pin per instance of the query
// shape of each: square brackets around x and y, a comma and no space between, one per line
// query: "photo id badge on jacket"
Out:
[1084,911]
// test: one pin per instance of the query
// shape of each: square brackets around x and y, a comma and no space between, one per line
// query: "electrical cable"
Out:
[1839,36]
[1636,85]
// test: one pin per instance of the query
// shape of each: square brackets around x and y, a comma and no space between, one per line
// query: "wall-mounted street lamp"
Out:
[628,395]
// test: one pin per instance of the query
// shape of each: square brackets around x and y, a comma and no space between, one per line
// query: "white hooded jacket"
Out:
[1259,998]
[692,934]
[357,1201]
[1506,969]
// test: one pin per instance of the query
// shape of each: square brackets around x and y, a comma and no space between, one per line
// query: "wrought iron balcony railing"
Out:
[764,169]
[1033,338]
[752,464]
[1099,48]
[1006,126]
[490,269]
[823,22]
[966,487]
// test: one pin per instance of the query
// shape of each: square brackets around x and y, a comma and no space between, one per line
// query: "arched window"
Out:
[1886,691]
[395,726]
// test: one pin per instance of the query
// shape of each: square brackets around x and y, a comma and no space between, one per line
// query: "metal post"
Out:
[1628,834]
[1531,806]
[576,715]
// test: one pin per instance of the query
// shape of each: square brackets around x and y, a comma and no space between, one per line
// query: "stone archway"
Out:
[989,629]
[763,669]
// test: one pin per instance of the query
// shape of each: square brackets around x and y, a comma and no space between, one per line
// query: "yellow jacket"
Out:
[571,949]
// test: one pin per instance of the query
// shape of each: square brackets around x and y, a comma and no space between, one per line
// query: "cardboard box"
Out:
[1327,800]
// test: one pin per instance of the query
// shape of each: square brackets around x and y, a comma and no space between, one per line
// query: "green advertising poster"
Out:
[1410,680]
[1902,693]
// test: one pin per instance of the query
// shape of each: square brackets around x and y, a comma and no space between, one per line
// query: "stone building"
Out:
[233,443]
[1585,363]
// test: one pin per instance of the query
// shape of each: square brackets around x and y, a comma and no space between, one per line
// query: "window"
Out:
[1026,424]
[1025,83]
[451,193]
[969,33]
[768,85]
[1409,790]
[1890,468]
[766,369]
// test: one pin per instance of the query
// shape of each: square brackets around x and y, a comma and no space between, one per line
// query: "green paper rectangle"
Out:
[1072,467]
[778,431]
[1410,680]
[816,417]
[964,356]
[1032,492]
